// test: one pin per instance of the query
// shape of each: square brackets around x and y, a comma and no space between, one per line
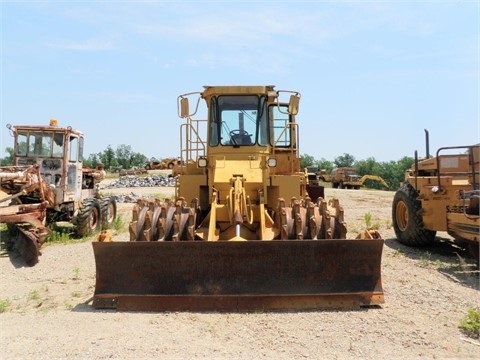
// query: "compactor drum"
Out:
[246,230]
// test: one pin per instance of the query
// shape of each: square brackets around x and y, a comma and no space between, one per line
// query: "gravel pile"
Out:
[114,188]
[130,181]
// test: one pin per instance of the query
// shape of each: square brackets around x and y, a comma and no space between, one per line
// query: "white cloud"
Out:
[86,45]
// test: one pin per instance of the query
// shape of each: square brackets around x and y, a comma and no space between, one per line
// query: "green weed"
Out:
[4,305]
[470,324]
[400,252]
[58,237]
[426,258]
[68,306]
[118,223]
[34,295]
[368,219]
[375,225]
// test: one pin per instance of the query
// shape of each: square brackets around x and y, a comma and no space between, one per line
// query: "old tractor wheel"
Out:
[108,207]
[407,223]
[89,217]
[171,165]
[8,241]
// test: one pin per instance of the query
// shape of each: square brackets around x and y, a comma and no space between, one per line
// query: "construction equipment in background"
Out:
[243,232]
[440,193]
[345,178]
[166,163]
[376,178]
[314,189]
[348,178]
[324,175]
[48,183]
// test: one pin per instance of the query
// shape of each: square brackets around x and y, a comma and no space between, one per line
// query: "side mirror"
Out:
[184,108]
[293,104]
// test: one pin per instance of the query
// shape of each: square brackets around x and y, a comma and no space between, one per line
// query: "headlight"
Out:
[272,162]
[202,162]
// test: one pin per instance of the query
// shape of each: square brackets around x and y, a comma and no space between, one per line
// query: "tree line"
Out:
[123,157]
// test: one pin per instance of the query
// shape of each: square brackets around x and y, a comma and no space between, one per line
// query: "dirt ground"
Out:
[48,313]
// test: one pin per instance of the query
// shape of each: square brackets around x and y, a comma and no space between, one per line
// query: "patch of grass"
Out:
[34,295]
[76,273]
[470,324]
[376,225]
[118,224]
[400,252]
[58,237]
[4,305]
[368,219]
[68,306]
[76,294]
[426,258]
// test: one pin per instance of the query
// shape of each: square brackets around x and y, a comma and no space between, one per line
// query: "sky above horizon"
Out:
[372,74]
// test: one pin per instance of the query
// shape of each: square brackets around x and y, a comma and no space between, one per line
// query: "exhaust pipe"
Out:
[427,144]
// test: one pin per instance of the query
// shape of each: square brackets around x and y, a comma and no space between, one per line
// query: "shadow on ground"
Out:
[446,256]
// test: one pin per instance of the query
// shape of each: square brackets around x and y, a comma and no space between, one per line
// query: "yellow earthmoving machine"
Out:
[377,178]
[345,178]
[246,231]
[440,193]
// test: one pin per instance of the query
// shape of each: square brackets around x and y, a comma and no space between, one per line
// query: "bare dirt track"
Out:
[427,292]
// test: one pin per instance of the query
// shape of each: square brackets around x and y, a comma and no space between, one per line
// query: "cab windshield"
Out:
[40,144]
[238,120]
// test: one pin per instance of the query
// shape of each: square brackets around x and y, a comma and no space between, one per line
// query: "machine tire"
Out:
[407,222]
[171,165]
[89,218]
[108,206]
[9,240]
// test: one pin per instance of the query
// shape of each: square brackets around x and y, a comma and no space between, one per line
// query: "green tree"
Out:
[324,164]
[7,160]
[306,161]
[369,166]
[91,161]
[345,160]
[108,158]
[128,159]
[395,172]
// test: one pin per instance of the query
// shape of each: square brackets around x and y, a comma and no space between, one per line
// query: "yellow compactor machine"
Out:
[245,231]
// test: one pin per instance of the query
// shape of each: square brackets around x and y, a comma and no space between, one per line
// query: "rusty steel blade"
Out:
[238,275]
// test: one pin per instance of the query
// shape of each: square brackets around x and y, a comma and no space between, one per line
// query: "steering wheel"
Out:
[238,132]
[237,135]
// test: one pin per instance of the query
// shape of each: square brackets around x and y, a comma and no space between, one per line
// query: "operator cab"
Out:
[238,120]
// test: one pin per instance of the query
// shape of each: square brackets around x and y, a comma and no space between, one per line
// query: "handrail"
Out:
[191,144]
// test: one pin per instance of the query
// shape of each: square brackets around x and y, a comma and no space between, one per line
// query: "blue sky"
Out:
[372,74]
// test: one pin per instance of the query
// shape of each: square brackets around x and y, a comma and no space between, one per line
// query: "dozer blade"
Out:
[238,275]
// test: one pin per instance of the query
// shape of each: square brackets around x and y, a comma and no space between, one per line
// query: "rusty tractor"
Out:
[48,183]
